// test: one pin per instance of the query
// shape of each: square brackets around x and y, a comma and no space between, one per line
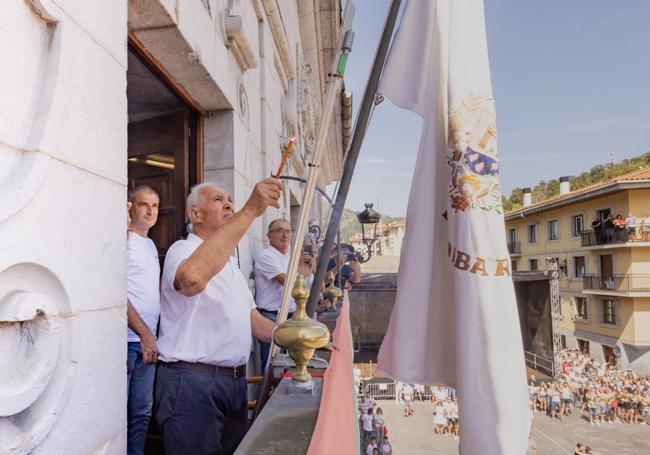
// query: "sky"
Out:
[571,81]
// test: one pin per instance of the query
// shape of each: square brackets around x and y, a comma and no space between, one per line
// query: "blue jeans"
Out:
[199,413]
[265,348]
[140,401]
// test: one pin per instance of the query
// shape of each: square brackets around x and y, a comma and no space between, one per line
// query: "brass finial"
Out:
[332,292]
[301,335]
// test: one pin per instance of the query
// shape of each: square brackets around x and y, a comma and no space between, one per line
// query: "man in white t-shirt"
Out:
[271,266]
[143,309]
[207,318]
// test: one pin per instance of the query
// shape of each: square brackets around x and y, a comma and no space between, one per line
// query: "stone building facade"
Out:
[98,96]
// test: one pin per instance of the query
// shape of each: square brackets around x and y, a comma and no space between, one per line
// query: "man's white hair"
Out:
[195,198]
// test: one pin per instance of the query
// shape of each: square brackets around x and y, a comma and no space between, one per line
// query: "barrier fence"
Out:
[393,391]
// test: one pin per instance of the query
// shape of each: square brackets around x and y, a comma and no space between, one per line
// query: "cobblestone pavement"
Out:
[414,435]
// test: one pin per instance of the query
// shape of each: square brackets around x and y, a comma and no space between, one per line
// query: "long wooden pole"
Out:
[335,79]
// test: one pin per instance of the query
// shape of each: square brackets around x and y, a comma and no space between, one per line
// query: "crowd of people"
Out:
[445,405]
[618,229]
[374,436]
[601,392]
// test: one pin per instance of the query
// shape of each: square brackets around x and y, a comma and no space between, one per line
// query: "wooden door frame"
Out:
[195,164]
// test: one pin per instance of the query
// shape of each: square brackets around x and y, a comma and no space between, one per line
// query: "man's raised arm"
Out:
[210,257]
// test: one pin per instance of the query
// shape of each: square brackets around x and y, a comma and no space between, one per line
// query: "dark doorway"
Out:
[583,346]
[606,270]
[162,146]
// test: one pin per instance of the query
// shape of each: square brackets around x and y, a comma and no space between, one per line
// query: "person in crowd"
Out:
[350,266]
[407,395]
[645,227]
[439,419]
[207,321]
[608,225]
[542,397]
[357,379]
[271,266]
[452,418]
[630,225]
[367,427]
[419,392]
[566,395]
[371,448]
[143,310]
[619,229]
[532,395]
[386,447]
[597,227]
[378,424]
[307,263]
[556,401]
[580,449]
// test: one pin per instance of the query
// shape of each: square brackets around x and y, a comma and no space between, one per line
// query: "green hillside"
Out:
[544,190]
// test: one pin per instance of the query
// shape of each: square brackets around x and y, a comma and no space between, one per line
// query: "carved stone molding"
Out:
[25,165]
[35,340]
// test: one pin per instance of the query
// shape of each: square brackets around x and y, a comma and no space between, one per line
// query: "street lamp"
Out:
[368,219]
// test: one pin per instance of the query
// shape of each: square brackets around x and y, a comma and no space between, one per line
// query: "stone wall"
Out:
[63,136]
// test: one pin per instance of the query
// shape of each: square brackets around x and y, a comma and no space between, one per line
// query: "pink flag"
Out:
[455,319]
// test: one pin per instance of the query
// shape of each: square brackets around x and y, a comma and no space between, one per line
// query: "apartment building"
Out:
[604,276]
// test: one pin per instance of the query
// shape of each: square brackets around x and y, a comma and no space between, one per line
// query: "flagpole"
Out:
[353,153]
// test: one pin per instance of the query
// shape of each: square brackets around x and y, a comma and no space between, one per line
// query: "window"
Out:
[553,233]
[512,235]
[513,266]
[609,312]
[532,233]
[583,346]
[533,264]
[581,308]
[577,225]
[579,266]
[563,341]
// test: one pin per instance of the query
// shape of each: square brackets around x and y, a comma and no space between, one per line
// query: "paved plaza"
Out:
[414,435]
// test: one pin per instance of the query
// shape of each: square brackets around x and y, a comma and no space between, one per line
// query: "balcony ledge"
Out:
[615,293]
[609,246]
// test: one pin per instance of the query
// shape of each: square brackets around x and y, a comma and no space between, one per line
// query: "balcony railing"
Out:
[618,283]
[592,238]
[514,247]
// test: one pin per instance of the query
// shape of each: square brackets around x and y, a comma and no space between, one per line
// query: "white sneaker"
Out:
[591,423]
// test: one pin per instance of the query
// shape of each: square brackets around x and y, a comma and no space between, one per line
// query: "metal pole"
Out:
[353,153]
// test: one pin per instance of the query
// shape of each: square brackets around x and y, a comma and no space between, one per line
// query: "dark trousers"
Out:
[199,413]
[265,348]
[140,378]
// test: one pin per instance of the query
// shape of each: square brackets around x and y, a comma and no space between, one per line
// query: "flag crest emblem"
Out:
[472,155]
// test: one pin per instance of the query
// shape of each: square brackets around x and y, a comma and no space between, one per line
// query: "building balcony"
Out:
[514,248]
[617,285]
[594,240]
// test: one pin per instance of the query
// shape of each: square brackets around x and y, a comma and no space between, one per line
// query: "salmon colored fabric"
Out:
[336,427]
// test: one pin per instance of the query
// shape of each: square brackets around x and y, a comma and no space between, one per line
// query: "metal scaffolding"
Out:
[553,269]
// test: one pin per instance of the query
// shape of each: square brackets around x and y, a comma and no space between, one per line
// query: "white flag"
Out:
[455,319]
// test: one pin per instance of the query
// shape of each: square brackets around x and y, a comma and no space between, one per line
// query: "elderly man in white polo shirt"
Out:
[207,318]
[271,267]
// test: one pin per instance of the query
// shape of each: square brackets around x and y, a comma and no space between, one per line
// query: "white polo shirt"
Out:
[212,327]
[268,292]
[143,281]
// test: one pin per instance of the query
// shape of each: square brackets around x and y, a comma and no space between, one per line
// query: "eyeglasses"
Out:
[282,231]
